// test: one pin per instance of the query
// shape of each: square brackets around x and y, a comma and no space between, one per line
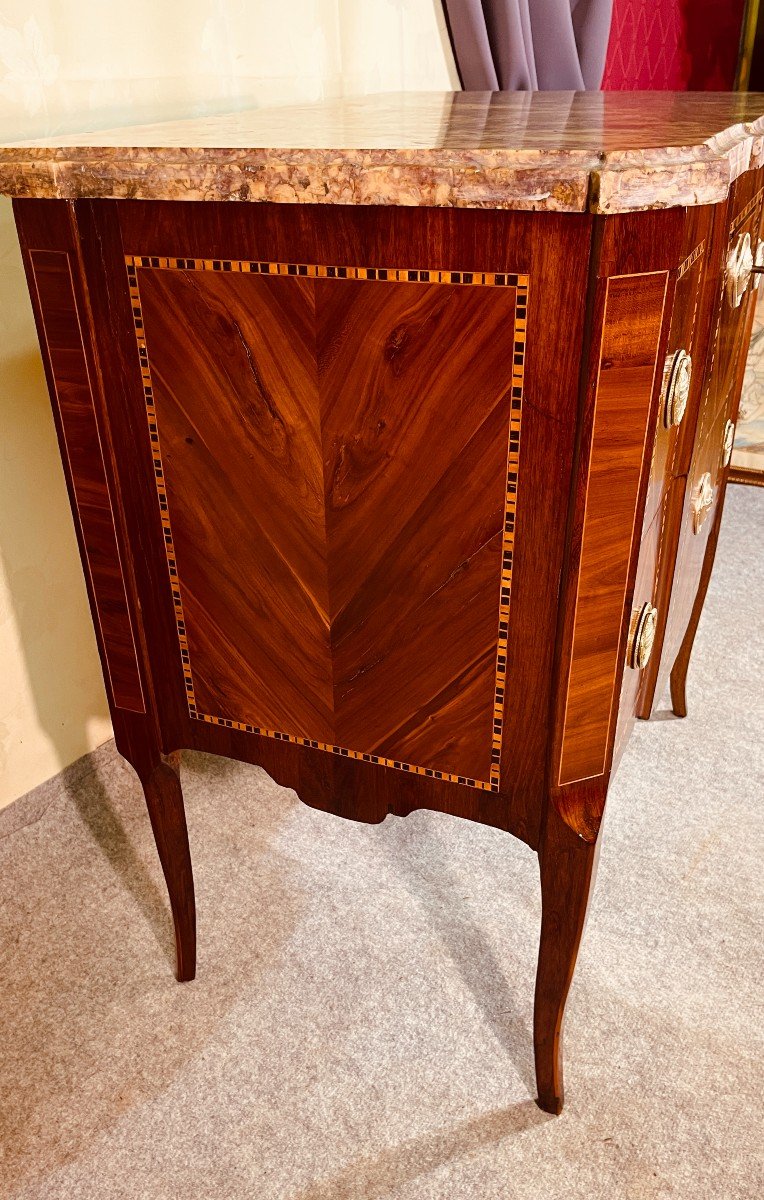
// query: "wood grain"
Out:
[304,612]
[686,333]
[72,393]
[568,868]
[631,331]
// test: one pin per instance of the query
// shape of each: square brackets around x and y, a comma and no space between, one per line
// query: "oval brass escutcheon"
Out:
[644,623]
[739,269]
[677,388]
[729,441]
[702,501]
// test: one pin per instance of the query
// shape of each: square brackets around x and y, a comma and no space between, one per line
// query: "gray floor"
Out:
[360,1026]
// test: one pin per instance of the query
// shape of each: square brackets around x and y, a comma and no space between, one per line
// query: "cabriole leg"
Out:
[680,667]
[568,866]
[164,800]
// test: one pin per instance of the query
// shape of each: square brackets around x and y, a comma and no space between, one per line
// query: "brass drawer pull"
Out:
[739,269]
[729,441]
[642,636]
[702,501]
[677,378]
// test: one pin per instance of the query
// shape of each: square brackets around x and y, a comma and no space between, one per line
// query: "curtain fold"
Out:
[530,45]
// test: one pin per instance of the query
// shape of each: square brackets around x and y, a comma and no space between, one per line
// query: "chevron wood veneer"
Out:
[328,625]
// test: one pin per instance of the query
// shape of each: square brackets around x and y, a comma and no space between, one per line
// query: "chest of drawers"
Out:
[396,434]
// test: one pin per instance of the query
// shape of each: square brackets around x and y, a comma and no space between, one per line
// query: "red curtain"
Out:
[674,45]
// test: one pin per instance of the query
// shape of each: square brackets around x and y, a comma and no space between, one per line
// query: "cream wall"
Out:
[95,63]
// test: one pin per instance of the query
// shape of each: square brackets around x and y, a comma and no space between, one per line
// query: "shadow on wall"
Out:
[52,703]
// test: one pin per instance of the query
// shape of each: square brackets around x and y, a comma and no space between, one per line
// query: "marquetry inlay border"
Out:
[745,212]
[520,283]
[690,260]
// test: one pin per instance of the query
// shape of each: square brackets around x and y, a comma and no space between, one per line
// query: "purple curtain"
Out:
[529,45]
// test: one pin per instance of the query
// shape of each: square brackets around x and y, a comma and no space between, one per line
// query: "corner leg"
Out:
[678,681]
[164,800]
[568,867]
[678,677]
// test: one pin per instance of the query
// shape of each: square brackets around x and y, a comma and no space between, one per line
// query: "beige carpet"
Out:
[360,1026]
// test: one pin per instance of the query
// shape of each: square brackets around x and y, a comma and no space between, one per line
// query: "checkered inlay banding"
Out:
[375,274]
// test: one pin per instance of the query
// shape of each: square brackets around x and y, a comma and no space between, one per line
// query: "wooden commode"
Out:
[396,432]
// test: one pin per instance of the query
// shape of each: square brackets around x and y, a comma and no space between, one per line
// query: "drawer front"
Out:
[646,619]
[736,297]
[61,335]
[720,343]
[704,487]
[683,368]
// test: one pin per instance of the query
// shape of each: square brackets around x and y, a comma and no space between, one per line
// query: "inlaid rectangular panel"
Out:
[82,445]
[341,567]
[631,331]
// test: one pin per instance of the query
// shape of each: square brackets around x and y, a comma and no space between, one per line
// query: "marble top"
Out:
[604,152]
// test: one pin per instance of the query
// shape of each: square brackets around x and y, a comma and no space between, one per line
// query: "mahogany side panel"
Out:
[344,585]
[553,252]
[628,361]
[50,271]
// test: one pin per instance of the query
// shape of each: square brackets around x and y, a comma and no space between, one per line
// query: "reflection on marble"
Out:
[564,151]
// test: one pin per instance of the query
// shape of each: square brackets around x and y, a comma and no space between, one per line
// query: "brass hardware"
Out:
[758,263]
[739,269]
[702,501]
[729,441]
[677,376]
[642,635]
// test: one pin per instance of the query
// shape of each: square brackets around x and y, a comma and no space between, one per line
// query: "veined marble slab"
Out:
[604,152]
